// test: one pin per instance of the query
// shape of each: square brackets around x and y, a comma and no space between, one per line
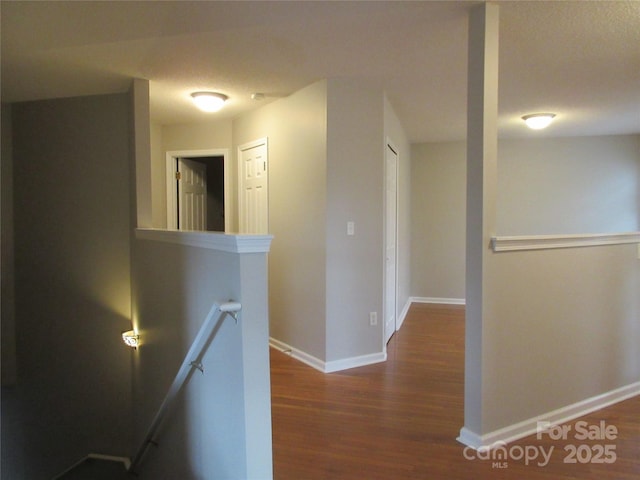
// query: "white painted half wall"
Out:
[559,416]
[562,324]
[220,426]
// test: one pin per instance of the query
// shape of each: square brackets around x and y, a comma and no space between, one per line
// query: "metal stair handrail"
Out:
[192,361]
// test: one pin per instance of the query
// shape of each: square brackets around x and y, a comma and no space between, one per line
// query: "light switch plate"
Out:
[351,228]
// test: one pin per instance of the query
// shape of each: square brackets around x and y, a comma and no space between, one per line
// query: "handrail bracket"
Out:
[198,366]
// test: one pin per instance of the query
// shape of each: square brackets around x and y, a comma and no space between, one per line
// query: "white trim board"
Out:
[354,362]
[213,241]
[331,366]
[562,415]
[434,300]
[297,354]
[544,242]
[403,314]
[438,300]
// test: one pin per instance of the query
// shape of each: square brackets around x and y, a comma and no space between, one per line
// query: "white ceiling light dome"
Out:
[209,101]
[538,121]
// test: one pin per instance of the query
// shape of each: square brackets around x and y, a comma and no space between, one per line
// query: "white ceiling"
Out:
[580,60]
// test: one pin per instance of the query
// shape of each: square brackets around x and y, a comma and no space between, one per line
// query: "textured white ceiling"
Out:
[578,59]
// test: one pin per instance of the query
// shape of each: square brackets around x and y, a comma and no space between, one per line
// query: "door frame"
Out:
[388,144]
[171,191]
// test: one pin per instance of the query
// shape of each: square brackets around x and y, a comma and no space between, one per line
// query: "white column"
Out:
[142,153]
[255,365]
[482,146]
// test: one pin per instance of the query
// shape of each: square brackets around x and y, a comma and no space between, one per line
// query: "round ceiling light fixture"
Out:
[538,121]
[209,101]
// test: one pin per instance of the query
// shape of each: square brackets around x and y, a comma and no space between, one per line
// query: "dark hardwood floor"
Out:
[400,419]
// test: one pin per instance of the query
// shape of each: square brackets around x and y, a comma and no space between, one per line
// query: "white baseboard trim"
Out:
[445,301]
[470,439]
[411,300]
[562,415]
[403,313]
[353,362]
[297,354]
[327,367]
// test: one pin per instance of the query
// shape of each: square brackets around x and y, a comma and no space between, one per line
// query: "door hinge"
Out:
[178,176]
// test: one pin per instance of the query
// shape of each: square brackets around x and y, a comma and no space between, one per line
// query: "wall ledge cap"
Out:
[543,242]
[233,243]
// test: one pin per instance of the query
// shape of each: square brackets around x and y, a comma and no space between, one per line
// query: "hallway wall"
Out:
[296,130]
[72,260]
[545,186]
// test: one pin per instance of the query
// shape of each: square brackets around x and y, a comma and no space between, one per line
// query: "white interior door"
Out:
[253,188]
[391,221]
[192,195]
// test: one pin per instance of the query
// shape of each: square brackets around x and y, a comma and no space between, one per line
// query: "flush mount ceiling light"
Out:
[538,121]
[131,339]
[209,101]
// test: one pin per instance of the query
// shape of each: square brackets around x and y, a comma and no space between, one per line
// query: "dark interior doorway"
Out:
[215,191]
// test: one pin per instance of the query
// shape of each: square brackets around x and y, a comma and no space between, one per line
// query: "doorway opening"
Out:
[198,190]
[390,242]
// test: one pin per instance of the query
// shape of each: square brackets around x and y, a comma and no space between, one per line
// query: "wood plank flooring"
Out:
[400,419]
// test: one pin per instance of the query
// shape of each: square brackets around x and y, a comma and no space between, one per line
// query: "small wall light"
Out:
[209,101]
[538,121]
[131,339]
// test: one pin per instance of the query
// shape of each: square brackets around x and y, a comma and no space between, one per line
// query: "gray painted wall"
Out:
[569,185]
[438,206]
[545,186]
[355,192]
[72,264]
[296,130]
